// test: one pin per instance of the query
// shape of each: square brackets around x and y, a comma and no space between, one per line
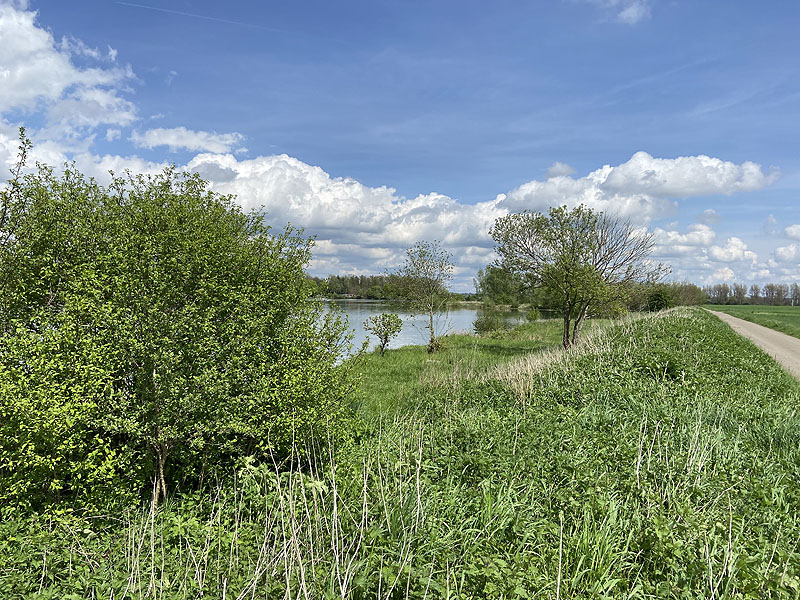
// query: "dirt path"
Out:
[783,348]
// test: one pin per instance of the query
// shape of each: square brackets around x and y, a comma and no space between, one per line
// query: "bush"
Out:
[384,326]
[488,321]
[151,331]
[533,314]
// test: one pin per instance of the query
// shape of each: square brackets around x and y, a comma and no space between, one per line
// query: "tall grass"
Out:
[659,459]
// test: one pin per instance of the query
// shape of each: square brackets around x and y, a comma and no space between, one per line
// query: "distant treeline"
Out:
[773,294]
[374,287]
[370,287]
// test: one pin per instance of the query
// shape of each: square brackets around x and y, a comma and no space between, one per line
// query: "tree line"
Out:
[772,294]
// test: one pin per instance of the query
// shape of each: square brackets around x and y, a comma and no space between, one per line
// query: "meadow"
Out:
[781,318]
[656,460]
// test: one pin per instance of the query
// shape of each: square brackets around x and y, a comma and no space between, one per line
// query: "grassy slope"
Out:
[780,318]
[660,460]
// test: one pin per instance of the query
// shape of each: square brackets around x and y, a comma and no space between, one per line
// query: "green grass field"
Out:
[780,318]
[657,460]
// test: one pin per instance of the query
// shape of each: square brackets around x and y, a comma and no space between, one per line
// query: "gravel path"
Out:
[783,348]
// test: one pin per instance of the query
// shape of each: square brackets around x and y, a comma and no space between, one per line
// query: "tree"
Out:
[739,292]
[795,294]
[770,293]
[497,285]
[584,259]
[151,330]
[755,293]
[384,326]
[781,294]
[424,276]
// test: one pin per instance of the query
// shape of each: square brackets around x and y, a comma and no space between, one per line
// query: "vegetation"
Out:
[423,277]
[151,334]
[657,459]
[586,261]
[384,326]
[373,287]
[771,294]
[780,318]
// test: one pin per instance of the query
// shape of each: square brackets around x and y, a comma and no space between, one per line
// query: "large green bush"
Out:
[151,331]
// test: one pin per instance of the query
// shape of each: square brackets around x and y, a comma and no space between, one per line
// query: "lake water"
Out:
[414,332]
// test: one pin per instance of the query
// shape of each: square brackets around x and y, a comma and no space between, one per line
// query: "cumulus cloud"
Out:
[180,138]
[37,72]
[723,274]
[343,209]
[734,250]
[673,243]
[643,188]
[788,253]
[793,231]
[558,169]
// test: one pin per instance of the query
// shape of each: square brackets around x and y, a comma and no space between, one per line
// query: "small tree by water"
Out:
[384,326]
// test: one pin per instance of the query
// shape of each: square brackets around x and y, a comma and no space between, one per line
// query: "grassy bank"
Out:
[658,460]
[780,318]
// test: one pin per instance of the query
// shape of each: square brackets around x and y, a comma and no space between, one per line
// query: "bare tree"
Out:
[586,260]
[795,294]
[424,277]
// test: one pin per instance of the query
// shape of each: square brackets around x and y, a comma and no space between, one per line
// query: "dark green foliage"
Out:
[150,330]
[498,285]
[489,320]
[377,287]
[659,298]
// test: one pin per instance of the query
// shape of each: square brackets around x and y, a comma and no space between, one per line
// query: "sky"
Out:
[373,125]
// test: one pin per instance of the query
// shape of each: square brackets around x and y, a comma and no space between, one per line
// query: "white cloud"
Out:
[559,168]
[793,231]
[626,11]
[643,188]
[672,243]
[112,134]
[709,217]
[344,210]
[735,250]
[635,11]
[723,274]
[36,72]
[180,138]
[788,253]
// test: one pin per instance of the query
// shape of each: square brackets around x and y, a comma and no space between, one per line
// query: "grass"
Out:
[657,460]
[781,318]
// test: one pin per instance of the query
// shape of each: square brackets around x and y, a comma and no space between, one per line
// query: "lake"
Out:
[457,320]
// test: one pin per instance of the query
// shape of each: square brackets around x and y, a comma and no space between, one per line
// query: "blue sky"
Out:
[375,124]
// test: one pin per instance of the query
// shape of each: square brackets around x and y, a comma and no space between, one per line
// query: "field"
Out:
[780,318]
[657,460]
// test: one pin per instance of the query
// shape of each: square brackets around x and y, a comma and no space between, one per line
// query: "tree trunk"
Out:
[159,481]
[432,342]
[565,338]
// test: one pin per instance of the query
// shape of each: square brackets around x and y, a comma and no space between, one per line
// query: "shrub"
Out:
[488,321]
[151,331]
[384,326]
